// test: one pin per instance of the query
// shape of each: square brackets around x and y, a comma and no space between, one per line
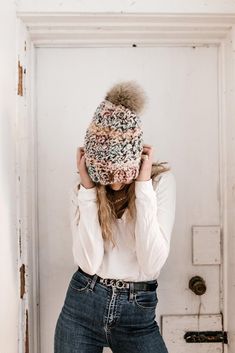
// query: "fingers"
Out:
[147,146]
[147,153]
[80,149]
[148,150]
[80,157]
[144,157]
[80,153]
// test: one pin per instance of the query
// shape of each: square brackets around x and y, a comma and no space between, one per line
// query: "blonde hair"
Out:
[106,213]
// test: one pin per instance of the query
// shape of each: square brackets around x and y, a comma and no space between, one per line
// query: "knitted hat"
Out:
[114,139]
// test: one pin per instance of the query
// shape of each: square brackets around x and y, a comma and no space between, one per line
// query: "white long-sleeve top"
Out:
[143,244]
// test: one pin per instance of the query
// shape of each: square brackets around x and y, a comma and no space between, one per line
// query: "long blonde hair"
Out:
[105,211]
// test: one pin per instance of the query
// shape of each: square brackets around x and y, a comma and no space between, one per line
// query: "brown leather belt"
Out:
[118,283]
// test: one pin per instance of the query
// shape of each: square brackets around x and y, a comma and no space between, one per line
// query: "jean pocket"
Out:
[79,282]
[146,299]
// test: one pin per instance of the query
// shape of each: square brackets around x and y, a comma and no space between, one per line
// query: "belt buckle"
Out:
[117,283]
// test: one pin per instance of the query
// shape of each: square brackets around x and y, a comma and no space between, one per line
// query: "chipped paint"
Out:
[26,347]
[20,246]
[22,280]
[20,79]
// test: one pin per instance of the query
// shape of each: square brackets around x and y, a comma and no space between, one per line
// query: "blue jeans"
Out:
[94,316]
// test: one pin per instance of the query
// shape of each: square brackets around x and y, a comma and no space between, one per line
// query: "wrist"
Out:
[87,183]
[143,178]
[88,186]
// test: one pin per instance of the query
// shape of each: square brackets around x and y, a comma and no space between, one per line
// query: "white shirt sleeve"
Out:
[154,222]
[88,245]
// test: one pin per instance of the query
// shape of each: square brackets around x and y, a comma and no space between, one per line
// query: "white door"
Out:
[181,121]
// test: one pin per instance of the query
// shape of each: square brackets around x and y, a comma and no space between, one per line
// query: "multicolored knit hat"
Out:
[114,139]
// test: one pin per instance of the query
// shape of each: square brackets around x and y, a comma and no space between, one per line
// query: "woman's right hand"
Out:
[86,181]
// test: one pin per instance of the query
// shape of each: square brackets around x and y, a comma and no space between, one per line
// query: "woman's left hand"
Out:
[146,164]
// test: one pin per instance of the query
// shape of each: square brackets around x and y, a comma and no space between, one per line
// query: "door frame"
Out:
[35,29]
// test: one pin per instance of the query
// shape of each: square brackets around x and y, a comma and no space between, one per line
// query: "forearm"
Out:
[151,245]
[154,222]
[88,244]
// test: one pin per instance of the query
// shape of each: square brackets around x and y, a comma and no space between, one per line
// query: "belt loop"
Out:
[131,292]
[93,281]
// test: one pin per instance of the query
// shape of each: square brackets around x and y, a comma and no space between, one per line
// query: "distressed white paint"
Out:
[9,275]
[182,114]
[206,245]
[125,6]
[228,97]
[175,327]
[224,52]
[86,30]
[9,272]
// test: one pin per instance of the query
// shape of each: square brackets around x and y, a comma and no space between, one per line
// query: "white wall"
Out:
[9,293]
[175,6]
[230,106]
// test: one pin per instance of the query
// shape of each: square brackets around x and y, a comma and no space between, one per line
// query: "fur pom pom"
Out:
[129,94]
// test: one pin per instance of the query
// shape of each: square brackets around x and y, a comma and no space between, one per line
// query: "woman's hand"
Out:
[86,181]
[146,164]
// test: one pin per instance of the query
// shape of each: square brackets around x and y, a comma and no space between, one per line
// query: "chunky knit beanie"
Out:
[114,139]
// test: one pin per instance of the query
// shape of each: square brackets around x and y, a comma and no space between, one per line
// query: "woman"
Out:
[122,216]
